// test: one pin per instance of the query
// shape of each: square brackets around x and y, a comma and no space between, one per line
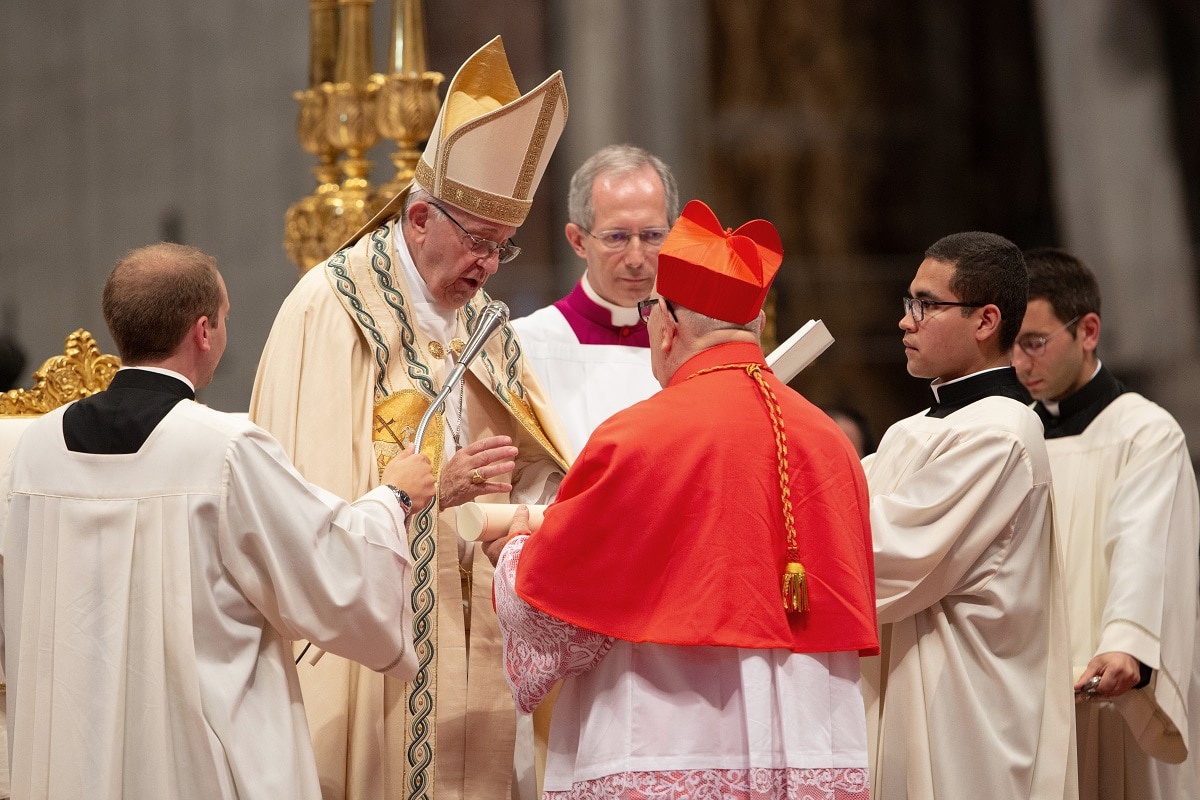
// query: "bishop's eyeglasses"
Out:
[483,248]
[617,239]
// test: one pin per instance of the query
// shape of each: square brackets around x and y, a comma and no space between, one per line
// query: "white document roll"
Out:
[488,521]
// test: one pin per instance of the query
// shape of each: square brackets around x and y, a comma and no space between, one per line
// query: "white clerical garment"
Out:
[584,352]
[971,694]
[150,600]
[1125,501]
[635,721]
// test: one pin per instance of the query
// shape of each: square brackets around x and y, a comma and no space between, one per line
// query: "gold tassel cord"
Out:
[795,587]
[795,577]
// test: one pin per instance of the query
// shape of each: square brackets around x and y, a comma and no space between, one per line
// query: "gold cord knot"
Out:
[795,577]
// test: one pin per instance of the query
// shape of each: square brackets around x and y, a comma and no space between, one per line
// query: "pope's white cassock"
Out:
[592,357]
[150,600]
[1125,501]
[971,694]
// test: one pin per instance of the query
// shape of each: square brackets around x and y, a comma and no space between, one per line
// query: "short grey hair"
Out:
[702,324]
[617,159]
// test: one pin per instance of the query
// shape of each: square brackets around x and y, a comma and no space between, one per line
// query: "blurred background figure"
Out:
[855,426]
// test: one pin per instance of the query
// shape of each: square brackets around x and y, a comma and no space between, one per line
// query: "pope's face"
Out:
[441,252]
[1061,367]
[631,202]
[942,345]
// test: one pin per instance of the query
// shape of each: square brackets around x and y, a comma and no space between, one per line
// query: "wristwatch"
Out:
[401,497]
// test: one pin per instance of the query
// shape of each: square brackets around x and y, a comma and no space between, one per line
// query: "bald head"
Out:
[155,294]
[678,333]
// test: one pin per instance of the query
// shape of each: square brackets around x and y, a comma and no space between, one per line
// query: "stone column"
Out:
[636,73]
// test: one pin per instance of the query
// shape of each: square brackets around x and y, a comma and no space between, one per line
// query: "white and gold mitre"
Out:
[490,144]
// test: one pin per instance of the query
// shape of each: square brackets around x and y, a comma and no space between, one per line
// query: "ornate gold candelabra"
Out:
[307,219]
[350,121]
[408,95]
[346,109]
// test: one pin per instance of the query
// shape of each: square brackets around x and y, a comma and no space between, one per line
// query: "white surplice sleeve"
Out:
[1150,539]
[539,650]
[944,527]
[315,566]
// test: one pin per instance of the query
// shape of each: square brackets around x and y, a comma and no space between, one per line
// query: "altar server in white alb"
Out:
[971,694]
[589,349]
[158,559]
[1126,506]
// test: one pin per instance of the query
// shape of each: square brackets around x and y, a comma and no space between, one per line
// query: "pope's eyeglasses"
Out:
[483,248]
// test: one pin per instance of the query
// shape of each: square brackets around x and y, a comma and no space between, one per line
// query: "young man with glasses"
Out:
[357,353]
[1126,508]
[971,694]
[588,349]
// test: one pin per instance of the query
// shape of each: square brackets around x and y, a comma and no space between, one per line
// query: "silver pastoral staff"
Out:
[491,318]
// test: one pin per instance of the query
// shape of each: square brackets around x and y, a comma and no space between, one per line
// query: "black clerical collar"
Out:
[153,381]
[957,395]
[121,419]
[1077,411]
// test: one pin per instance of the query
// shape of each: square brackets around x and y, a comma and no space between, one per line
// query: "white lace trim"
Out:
[539,649]
[849,783]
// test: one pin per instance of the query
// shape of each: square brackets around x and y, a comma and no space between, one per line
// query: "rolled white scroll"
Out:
[488,521]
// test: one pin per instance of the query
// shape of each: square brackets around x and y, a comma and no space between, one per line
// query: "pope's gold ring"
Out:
[476,478]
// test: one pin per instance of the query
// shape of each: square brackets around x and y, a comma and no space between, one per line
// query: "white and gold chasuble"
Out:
[345,377]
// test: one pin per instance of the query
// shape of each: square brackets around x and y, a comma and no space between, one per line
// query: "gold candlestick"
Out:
[350,122]
[305,220]
[408,96]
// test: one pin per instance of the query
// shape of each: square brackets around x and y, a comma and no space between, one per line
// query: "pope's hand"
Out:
[475,470]
[519,526]
[411,472]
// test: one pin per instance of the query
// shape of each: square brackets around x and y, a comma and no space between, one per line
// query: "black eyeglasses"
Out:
[483,248]
[1035,344]
[917,306]
[645,306]
[617,239]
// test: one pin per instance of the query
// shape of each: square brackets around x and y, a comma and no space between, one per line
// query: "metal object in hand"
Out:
[1088,690]
[491,318]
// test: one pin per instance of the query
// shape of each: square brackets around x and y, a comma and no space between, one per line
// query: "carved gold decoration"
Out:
[408,96]
[80,371]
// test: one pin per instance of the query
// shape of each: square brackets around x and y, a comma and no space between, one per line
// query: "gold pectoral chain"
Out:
[795,579]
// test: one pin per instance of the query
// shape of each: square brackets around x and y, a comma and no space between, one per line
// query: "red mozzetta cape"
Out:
[669,526]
